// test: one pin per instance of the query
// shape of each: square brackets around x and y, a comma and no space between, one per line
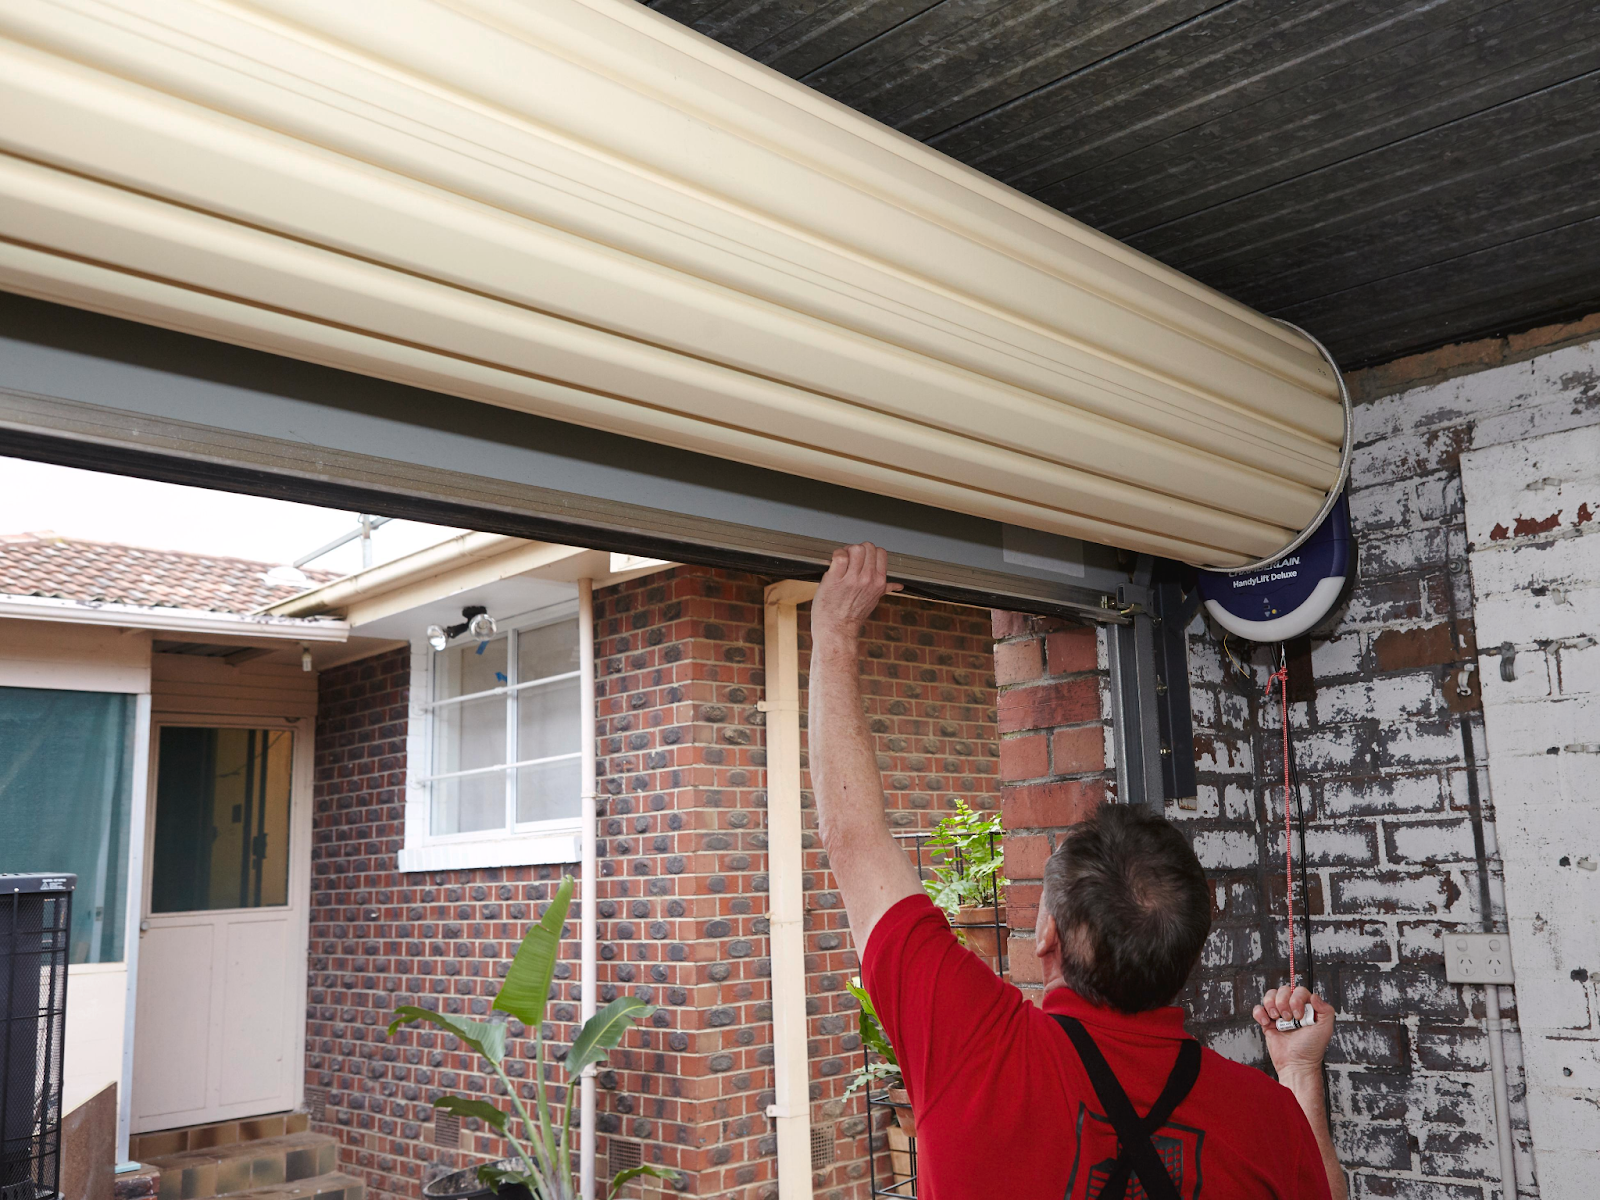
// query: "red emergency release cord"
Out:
[1281,678]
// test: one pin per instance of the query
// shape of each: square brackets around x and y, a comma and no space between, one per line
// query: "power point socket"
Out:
[1477,958]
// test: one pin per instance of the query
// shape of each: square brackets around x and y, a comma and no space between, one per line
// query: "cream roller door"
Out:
[580,209]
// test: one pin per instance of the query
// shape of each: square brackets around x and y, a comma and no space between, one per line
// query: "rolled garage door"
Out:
[580,209]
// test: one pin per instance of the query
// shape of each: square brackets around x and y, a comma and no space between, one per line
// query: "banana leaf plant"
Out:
[543,1160]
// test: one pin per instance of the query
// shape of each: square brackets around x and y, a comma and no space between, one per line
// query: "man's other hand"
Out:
[1298,1050]
[857,579]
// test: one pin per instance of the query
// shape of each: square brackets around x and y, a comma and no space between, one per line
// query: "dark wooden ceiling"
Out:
[1391,174]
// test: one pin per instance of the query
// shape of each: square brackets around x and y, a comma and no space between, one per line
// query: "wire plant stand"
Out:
[881,1110]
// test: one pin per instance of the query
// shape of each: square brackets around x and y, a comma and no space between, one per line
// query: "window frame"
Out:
[525,843]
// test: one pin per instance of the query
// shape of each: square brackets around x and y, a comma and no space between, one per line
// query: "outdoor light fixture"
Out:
[305,658]
[475,621]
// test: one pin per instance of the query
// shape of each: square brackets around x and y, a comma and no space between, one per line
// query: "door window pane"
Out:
[65,791]
[222,819]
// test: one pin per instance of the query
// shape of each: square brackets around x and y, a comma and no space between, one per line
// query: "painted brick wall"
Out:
[1392,756]
[682,901]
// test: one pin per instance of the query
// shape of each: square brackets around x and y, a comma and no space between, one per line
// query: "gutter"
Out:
[457,552]
[174,620]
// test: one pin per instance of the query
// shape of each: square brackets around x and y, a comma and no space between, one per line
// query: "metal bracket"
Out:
[1153,729]
[1508,662]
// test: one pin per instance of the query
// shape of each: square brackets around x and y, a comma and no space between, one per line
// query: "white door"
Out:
[1535,556]
[220,1011]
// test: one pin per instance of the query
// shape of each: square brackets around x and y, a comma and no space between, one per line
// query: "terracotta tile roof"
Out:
[44,564]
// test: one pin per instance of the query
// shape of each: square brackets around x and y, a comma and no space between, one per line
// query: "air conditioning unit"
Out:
[35,937]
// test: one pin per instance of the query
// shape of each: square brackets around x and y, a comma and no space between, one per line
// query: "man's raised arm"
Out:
[873,871]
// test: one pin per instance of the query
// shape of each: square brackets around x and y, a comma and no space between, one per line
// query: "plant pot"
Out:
[465,1185]
[903,1115]
[977,927]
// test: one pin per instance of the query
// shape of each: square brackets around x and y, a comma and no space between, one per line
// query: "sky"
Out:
[35,497]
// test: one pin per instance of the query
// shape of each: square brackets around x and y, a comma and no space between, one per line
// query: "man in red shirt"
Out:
[1097,1093]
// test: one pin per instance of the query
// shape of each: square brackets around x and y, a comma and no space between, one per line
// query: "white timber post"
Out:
[588,881]
[786,896]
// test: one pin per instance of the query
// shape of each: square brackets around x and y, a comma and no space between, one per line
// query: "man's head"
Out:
[1125,910]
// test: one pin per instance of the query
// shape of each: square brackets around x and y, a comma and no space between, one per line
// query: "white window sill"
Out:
[495,850]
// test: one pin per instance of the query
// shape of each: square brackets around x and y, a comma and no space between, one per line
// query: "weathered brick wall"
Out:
[682,900]
[1392,759]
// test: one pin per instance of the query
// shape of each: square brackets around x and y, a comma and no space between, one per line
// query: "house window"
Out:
[495,749]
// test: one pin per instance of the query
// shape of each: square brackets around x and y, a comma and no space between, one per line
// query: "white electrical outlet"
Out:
[1477,957]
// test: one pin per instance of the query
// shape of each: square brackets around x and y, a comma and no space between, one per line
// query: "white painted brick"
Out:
[1351,940]
[1578,666]
[1429,841]
[1578,774]
[1384,506]
[1533,676]
[1338,846]
[1242,1045]
[1560,607]
[1224,755]
[1390,700]
[1387,795]
[1534,729]
[1226,850]
[1238,801]
[1533,479]
[1337,656]
[1413,745]
[1397,553]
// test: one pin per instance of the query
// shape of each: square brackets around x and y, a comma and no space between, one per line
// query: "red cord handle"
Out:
[1281,678]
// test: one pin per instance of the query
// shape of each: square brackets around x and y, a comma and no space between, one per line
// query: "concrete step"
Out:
[145,1146]
[245,1167]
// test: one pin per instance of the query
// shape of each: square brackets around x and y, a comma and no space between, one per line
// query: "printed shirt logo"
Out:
[1178,1146]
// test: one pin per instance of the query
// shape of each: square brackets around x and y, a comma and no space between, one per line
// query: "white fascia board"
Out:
[173,620]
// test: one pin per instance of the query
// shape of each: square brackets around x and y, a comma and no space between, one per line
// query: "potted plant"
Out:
[542,1166]
[884,1070]
[966,880]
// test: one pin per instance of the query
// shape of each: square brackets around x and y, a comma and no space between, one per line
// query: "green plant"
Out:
[545,1147]
[965,848]
[887,1069]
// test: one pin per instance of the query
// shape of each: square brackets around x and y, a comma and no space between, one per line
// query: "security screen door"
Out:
[221,966]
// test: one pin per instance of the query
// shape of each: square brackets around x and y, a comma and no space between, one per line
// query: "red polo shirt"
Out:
[1004,1108]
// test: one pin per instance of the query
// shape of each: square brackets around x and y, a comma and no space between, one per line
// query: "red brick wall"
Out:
[928,690]
[1052,756]
[380,939]
[682,898]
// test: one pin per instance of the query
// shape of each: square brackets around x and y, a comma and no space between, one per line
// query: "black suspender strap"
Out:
[1136,1154]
